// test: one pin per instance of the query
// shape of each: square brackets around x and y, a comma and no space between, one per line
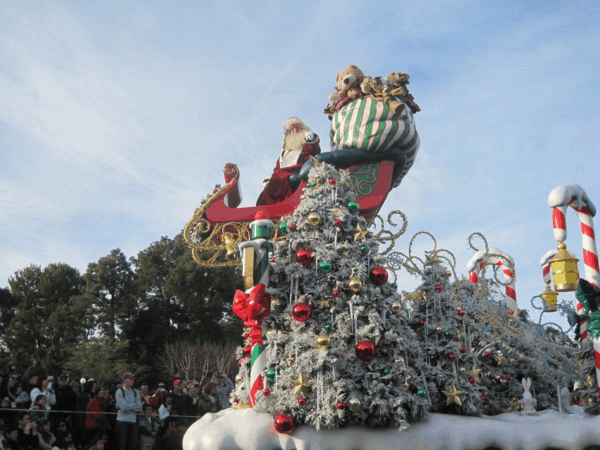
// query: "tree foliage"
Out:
[120,314]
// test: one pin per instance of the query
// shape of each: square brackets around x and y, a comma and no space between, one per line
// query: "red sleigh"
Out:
[218,225]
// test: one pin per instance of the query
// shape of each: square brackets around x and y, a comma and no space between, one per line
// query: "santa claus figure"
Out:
[299,142]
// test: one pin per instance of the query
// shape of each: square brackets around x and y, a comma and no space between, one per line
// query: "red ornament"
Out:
[511,313]
[332,181]
[247,351]
[301,312]
[267,392]
[273,259]
[486,353]
[304,256]
[378,275]
[236,400]
[481,395]
[438,288]
[241,362]
[341,357]
[421,322]
[292,227]
[215,191]
[365,350]
[302,401]
[463,349]
[336,293]
[472,380]
[452,357]
[517,365]
[284,424]
[341,405]
[338,223]
[580,402]
[461,312]
[507,378]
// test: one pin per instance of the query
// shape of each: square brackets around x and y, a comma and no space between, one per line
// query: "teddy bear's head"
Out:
[349,78]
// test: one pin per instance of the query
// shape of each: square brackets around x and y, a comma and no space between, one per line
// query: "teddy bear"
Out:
[348,83]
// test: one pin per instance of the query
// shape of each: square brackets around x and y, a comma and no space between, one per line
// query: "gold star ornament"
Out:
[300,386]
[289,361]
[453,396]
[360,233]
[325,304]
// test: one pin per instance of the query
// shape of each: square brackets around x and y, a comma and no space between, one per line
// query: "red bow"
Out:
[253,308]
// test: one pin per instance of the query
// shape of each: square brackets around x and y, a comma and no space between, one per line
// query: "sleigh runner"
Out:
[218,225]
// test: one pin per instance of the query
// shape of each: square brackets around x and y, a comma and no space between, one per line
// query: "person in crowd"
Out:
[96,421]
[164,411]
[178,395]
[209,402]
[22,398]
[46,390]
[224,388]
[128,404]
[173,438]
[147,424]
[38,410]
[11,369]
[66,399]
[96,444]
[190,402]
[3,443]
[11,436]
[8,410]
[45,436]
[27,437]
[64,439]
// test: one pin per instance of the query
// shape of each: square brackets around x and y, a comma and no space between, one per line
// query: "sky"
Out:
[117,117]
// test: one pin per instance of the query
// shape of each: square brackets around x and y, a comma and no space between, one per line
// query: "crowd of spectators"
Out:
[38,411]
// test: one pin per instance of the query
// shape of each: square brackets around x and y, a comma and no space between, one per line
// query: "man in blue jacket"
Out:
[128,404]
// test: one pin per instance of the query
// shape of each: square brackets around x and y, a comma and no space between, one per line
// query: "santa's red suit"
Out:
[290,161]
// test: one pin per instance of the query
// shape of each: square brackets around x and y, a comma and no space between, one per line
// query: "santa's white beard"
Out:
[293,142]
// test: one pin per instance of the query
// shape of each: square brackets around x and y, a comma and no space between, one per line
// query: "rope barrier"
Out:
[50,411]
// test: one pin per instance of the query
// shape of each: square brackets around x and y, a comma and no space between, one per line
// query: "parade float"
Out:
[337,355]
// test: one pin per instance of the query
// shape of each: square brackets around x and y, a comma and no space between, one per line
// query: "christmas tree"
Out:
[339,348]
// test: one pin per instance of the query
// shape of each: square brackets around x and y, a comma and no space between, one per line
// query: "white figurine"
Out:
[527,403]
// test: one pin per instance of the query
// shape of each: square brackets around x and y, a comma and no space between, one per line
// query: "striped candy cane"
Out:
[506,264]
[575,196]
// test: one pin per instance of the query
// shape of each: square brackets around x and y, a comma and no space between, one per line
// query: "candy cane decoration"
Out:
[574,196]
[506,263]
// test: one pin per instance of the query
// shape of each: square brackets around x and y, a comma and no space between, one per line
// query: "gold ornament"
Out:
[377,338]
[589,382]
[458,334]
[400,360]
[300,386]
[325,304]
[337,212]
[323,342]
[230,243]
[406,385]
[475,373]
[453,396]
[448,273]
[438,330]
[314,219]
[354,404]
[591,400]
[355,284]
[270,331]
[511,361]
[289,361]
[462,370]
[440,363]
[396,307]
[360,233]
[578,362]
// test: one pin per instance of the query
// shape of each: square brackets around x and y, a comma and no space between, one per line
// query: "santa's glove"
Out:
[310,137]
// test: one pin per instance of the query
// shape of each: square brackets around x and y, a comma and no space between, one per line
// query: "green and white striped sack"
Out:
[372,126]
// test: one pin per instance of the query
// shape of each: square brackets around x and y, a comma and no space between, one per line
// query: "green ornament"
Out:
[328,327]
[406,311]
[512,344]
[375,298]
[197,235]
[386,371]
[217,186]
[353,207]
[363,248]
[422,393]
[369,391]
[203,201]
[309,185]
[283,228]
[316,196]
[395,285]
[432,356]
[303,347]
[467,393]
[447,305]
[325,267]
[448,333]
[271,375]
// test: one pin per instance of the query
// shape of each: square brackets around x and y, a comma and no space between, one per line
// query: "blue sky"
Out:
[116,118]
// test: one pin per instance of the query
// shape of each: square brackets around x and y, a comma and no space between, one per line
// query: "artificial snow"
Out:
[248,429]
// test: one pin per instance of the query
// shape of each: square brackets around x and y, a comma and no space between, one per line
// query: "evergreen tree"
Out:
[339,347]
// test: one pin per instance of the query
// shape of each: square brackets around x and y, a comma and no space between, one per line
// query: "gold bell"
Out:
[314,219]
[323,342]
[550,299]
[564,270]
